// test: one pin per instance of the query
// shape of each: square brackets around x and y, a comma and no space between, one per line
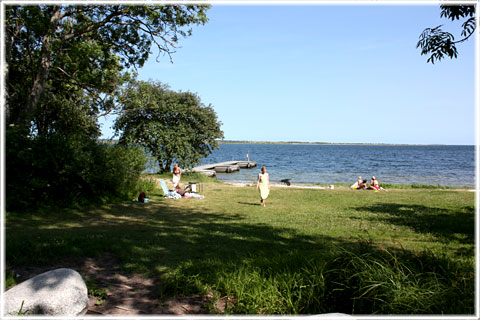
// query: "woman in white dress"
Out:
[177,172]
[263,183]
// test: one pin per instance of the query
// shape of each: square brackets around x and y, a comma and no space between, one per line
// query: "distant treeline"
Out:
[302,143]
[314,143]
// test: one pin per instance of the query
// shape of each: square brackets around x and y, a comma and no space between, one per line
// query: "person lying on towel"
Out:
[185,194]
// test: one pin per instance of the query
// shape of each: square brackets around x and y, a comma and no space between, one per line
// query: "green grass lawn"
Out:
[309,251]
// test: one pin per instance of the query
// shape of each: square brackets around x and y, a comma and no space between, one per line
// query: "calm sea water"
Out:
[329,164]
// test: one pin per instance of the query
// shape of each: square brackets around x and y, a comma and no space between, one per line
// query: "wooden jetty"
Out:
[223,167]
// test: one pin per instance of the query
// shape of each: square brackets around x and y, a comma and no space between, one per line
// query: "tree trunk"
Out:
[11,34]
[168,163]
[6,95]
[161,165]
[45,62]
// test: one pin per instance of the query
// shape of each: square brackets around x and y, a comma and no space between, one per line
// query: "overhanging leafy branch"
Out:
[438,43]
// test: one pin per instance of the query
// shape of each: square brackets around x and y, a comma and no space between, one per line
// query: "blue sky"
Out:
[343,73]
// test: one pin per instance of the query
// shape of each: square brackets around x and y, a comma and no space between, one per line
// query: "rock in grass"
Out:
[60,292]
[332,316]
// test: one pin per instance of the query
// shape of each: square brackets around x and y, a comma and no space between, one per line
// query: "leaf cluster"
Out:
[456,12]
[438,43]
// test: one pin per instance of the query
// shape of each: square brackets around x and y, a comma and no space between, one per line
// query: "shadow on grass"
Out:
[151,237]
[446,224]
[250,203]
[269,270]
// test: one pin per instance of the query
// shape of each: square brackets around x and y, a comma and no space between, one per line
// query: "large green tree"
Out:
[64,67]
[172,126]
[65,62]
[438,43]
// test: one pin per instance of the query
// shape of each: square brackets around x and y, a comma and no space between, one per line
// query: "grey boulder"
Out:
[60,292]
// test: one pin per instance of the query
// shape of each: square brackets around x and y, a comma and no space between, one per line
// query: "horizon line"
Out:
[229,141]
[338,143]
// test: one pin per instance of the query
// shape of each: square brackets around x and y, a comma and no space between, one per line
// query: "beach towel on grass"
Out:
[173,195]
[193,195]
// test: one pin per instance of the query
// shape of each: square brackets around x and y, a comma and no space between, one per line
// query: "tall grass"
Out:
[387,281]
[400,186]
[419,186]
[361,279]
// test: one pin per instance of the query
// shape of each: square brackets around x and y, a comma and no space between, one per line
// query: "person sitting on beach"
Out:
[374,184]
[360,184]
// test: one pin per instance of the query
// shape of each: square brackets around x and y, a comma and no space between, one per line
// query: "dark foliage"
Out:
[60,172]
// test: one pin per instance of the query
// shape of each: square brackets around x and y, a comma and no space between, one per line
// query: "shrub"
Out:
[56,171]
[120,175]
[146,184]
